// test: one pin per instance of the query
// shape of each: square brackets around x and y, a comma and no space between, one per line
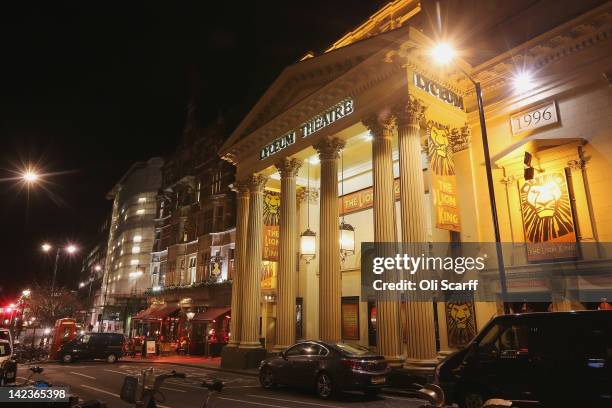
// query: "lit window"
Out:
[135,249]
[142,200]
[120,264]
[134,262]
[121,253]
[137,238]
[124,219]
[140,212]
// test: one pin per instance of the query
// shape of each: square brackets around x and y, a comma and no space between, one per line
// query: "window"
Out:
[295,350]
[137,238]
[192,269]
[199,188]
[142,200]
[135,249]
[216,183]
[134,262]
[140,211]
[161,209]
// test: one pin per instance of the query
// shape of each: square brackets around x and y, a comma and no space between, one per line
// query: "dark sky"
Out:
[87,88]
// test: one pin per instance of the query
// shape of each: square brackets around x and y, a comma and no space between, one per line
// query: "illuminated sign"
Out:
[331,115]
[437,90]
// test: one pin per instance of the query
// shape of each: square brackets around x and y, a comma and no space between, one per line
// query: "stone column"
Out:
[251,283]
[242,221]
[421,347]
[388,338]
[330,289]
[286,292]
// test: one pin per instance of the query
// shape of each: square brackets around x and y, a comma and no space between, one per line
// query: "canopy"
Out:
[155,312]
[211,314]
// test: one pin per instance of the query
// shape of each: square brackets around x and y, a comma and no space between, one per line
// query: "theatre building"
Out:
[372,141]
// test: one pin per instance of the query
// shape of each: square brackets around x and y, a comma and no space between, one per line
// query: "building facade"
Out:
[127,273]
[92,275]
[372,134]
[193,260]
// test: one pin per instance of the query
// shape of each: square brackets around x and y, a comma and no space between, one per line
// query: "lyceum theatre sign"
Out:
[331,115]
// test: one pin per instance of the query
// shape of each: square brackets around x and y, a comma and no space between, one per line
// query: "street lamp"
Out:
[443,54]
[30,176]
[70,249]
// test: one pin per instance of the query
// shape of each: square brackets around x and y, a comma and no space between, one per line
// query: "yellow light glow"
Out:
[442,53]
[523,81]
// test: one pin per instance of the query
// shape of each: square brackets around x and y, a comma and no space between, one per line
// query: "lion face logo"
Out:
[460,323]
[439,150]
[271,208]
[546,208]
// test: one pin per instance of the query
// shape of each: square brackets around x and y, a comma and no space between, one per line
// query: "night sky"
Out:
[87,89]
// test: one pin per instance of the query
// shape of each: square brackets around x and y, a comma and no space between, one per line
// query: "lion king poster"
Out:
[547,218]
[443,177]
[460,323]
[271,213]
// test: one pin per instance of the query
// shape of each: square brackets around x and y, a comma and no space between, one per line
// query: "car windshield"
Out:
[84,338]
[353,349]
[5,349]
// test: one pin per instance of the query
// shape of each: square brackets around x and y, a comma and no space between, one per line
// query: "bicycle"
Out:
[150,395]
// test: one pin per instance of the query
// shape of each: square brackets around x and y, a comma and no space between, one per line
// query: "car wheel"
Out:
[67,358]
[111,358]
[324,386]
[266,378]
[472,398]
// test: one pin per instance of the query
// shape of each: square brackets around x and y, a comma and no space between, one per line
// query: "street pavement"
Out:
[100,380]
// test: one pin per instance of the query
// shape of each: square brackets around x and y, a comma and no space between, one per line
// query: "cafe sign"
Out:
[313,125]
[437,90]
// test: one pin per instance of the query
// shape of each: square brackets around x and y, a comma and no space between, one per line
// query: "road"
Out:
[99,380]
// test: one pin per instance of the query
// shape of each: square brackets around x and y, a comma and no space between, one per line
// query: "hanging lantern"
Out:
[347,239]
[307,245]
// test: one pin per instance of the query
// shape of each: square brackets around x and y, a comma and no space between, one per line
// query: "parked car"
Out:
[5,334]
[8,366]
[90,346]
[326,367]
[558,359]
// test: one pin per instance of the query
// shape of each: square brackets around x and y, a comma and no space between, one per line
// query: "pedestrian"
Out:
[143,349]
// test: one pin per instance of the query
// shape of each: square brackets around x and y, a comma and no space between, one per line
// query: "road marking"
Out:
[82,375]
[100,390]
[252,402]
[118,372]
[298,402]
[172,389]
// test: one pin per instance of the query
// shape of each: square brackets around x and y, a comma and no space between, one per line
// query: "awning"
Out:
[155,312]
[211,314]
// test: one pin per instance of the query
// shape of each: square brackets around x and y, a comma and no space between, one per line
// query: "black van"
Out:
[89,346]
[558,359]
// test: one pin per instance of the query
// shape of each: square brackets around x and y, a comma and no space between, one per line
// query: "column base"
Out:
[233,344]
[420,366]
[394,361]
[277,348]
[237,358]
[250,345]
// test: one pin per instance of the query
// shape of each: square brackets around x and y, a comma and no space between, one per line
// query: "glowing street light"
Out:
[30,176]
[26,292]
[523,81]
[46,247]
[443,53]
[71,249]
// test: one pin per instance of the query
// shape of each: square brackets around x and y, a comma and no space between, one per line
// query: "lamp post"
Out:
[46,247]
[444,54]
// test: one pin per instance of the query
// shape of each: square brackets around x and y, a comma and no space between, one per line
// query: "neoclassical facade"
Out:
[373,134]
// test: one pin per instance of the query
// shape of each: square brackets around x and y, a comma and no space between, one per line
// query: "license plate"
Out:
[379,380]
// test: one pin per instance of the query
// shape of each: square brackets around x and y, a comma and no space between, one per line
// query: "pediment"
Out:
[302,79]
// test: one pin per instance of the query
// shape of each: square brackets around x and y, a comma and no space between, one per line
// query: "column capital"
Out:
[256,183]
[288,167]
[329,147]
[240,187]
[379,124]
[308,194]
[410,111]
